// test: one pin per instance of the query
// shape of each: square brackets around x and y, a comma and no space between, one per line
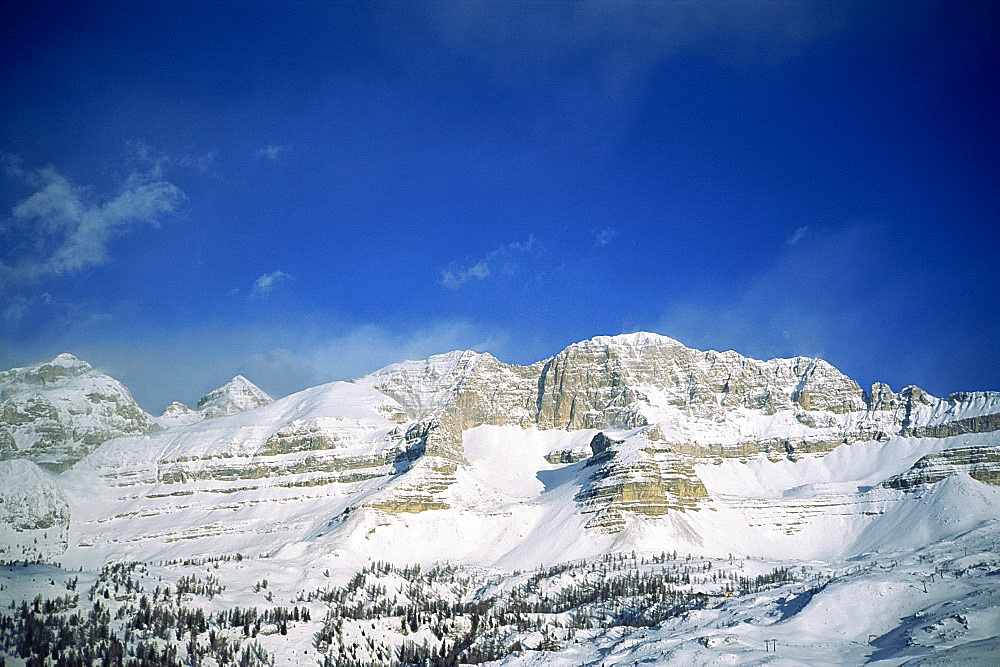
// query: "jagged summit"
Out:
[643,378]
[237,395]
[175,408]
[62,367]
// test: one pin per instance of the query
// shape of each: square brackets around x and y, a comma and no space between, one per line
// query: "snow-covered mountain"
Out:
[57,412]
[623,444]
[237,395]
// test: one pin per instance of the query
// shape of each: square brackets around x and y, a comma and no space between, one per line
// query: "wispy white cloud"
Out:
[604,237]
[505,257]
[368,347]
[267,282]
[455,278]
[273,151]
[151,162]
[16,309]
[204,163]
[62,228]
[20,305]
[621,36]
[798,235]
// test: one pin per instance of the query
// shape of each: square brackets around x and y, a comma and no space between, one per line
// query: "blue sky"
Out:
[302,192]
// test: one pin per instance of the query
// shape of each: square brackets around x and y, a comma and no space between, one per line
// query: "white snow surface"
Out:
[869,550]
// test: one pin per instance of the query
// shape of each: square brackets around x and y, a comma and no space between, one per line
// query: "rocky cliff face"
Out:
[29,499]
[57,412]
[712,403]
[980,462]
[686,405]
[658,416]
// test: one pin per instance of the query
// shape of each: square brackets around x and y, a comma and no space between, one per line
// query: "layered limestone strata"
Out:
[605,382]
[393,440]
[693,405]
[423,487]
[702,403]
[977,424]
[982,463]
[326,449]
[333,442]
[690,405]
[635,476]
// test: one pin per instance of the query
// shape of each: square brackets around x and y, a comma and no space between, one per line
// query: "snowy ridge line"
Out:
[614,445]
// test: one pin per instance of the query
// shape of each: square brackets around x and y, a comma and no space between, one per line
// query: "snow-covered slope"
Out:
[615,444]
[34,512]
[630,439]
[237,395]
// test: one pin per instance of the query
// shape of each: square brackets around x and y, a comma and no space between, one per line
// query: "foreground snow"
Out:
[938,604]
[510,575]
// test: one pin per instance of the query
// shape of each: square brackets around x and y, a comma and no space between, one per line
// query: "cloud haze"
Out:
[273,152]
[798,235]
[183,365]
[604,237]
[62,228]
[506,257]
[267,282]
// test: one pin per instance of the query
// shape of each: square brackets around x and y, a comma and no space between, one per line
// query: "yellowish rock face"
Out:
[655,412]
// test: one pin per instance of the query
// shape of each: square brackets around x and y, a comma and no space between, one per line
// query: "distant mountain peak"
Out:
[69,360]
[56,412]
[237,395]
[176,408]
[64,365]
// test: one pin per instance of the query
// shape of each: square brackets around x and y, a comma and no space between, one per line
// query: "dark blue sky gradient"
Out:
[775,178]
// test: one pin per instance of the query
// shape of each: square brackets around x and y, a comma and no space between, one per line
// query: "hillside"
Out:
[617,450]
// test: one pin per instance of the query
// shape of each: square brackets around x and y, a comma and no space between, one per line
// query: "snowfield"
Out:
[431,512]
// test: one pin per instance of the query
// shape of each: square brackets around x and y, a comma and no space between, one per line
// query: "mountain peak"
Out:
[237,395]
[55,412]
[68,360]
[240,381]
[636,339]
[64,365]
